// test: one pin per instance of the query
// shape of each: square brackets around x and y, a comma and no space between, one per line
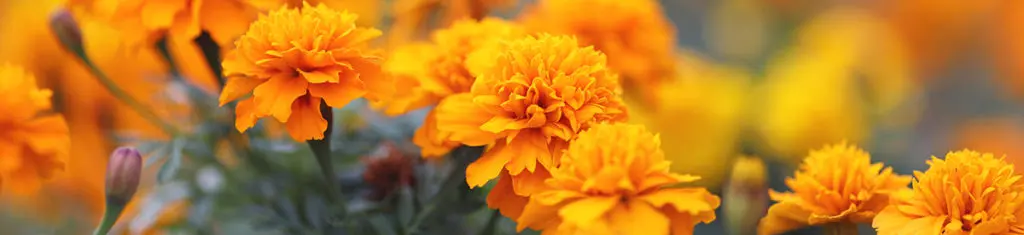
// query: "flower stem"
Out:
[841,228]
[110,215]
[322,151]
[123,96]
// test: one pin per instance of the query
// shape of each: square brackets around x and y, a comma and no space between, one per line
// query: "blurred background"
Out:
[764,79]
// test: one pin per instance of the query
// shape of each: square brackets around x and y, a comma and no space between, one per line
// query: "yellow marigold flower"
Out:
[291,59]
[613,180]
[835,186]
[966,193]
[529,100]
[144,21]
[636,35]
[427,73]
[33,144]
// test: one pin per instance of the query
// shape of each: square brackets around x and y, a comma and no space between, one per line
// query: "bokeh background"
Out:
[770,79]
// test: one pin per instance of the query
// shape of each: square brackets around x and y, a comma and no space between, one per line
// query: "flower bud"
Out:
[746,196]
[67,31]
[123,174]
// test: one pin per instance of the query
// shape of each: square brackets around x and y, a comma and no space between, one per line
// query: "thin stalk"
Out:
[110,215]
[322,151]
[123,96]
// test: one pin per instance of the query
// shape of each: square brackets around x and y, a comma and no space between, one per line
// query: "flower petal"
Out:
[782,217]
[378,86]
[689,200]
[462,118]
[306,121]
[245,115]
[432,142]
[338,94]
[275,96]
[585,211]
[638,218]
[488,166]
[526,183]
[237,87]
[504,199]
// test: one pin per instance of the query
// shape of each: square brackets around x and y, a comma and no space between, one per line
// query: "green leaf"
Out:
[406,205]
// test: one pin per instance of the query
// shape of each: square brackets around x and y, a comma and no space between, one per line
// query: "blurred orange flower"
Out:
[144,21]
[412,16]
[637,37]
[290,59]
[427,73]
[966,193]
[529,100]
[33,144]
[613,180]
[835,185]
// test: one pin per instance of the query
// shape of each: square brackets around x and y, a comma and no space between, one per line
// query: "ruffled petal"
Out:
[338,94]
[245,115]
[638,218]
[238,87]
[462,118]
[306,121]
[275,97]
[488,166]
[585,211]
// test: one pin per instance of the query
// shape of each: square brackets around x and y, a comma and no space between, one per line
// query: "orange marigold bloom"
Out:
[837,185]
[613,180]
[291,59]
[529,100]
[33,143]
[144,21]
[427,73]
[966,193]
[636,35]
[413,16]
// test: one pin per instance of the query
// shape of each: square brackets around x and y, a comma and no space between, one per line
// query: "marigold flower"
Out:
[33,144]
[966,193]
[388,173]
[835,185]
[529,100]
[636,35]
[291,59]
[612,180]
[412,16]
[427,73]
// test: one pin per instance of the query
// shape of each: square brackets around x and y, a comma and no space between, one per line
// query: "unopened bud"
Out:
[67,31]
[123,174]
[746,196]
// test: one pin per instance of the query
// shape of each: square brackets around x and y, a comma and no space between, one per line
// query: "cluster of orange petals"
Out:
[966,193]
[426,73]
[530,98]
[148,20]
[34,144]
[613,180]
[636,35]
[295,60]
[837,184]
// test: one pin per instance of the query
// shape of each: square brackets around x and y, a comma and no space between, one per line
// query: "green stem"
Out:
[462,156]
[322,151]
[110,215]
[123,96]
[841,228]
[492,224]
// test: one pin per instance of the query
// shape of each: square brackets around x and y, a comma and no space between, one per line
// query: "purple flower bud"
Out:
[67,31]
[123,173]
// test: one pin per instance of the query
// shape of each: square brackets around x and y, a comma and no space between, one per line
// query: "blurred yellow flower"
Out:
[427,73]
[966,193]
[613,180]
[411,17]
[290,59]
[528,102]
[33,144]
[845,68]
[637,37]
[699,115]
[835,185]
